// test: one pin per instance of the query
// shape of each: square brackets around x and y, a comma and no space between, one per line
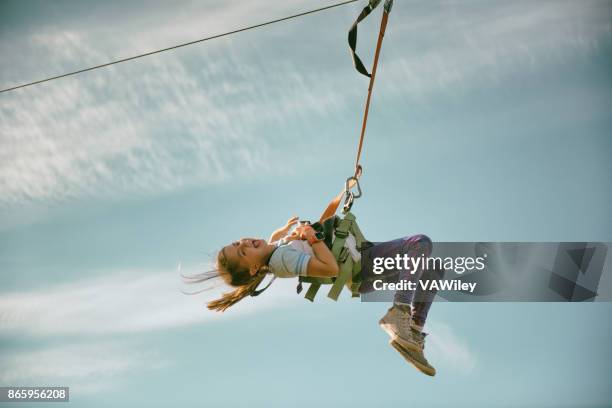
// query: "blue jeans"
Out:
[413,246]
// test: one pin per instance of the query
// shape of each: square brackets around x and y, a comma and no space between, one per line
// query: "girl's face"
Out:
[249,253]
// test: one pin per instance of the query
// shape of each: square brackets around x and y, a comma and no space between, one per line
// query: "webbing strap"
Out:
[381,34]
[350,272]
[332,207]
[356,282]
[312,291]
[342,232]
[352,37]
[316,279]
[356,231]
[345,273]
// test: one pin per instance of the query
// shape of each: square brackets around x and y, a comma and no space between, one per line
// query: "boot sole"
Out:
[396,338]
[427,370]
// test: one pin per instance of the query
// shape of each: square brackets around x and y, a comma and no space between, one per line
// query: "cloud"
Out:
[187,118]
[452,45]
[449,349]
[84,367]
[164,129]
[120,302]
[93,313]
[201,117]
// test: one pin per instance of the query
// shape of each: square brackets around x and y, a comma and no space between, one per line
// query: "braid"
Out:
[233,297]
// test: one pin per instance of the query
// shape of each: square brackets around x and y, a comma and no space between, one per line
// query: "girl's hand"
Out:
[290,223]
[302,231]
[282,232]
[297,233]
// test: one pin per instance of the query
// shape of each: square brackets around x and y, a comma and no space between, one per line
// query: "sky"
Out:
[490,121]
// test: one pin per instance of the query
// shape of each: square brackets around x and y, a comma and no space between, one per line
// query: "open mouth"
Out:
[256,243]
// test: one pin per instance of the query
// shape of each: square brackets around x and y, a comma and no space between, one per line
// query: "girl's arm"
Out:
[322,264]
[282,231]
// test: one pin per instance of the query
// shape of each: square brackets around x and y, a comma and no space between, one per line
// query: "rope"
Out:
[381,34]
[177,46]
[333,205]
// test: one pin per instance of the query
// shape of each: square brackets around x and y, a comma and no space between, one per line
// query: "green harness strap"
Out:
[349,270]
[356,278]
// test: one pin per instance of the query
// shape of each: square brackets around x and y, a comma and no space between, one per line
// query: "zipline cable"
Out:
[178,46]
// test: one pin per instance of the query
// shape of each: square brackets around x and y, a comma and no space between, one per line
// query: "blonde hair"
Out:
[239,277]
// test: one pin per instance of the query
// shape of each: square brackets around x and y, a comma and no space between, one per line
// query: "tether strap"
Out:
[381,34]
[332,207]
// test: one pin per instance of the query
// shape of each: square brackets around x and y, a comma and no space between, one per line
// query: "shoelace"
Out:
[404,321]
[419,338]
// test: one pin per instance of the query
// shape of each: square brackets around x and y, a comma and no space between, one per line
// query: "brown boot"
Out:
[397,324]
[416,358]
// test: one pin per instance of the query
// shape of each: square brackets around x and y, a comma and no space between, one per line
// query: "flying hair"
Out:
[232,274]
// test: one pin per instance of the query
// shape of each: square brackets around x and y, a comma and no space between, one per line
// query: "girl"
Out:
[243,264]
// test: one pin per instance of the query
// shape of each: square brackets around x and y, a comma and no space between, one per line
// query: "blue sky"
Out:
[490,121]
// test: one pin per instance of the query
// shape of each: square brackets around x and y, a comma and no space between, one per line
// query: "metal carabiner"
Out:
[347,188]
[348,202]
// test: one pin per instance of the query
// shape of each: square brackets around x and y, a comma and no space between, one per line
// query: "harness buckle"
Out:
[341,234]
